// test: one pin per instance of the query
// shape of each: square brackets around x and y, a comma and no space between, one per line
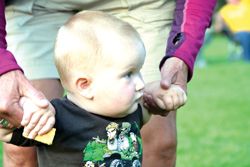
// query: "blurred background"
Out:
[214,127]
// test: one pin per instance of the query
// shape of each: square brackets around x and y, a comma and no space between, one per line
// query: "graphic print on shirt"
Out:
[122,147]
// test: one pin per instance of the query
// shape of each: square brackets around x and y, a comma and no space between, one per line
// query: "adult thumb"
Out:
[37,97]
[168,76]
[33,94]
[167,80]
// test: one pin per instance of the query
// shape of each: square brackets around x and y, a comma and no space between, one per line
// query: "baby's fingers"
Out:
[181,98]
[32,125]
[28,110]
[45,123]
[168,102]
[48,126]
[160,103]
[40,125]
[50,121]
[178,101]
[174,99]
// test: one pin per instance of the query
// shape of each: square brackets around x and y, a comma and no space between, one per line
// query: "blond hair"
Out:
[80,40]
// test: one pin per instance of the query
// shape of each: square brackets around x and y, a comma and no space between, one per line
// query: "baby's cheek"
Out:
[128,96]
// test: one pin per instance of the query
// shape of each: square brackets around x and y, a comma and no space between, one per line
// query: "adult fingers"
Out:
[168,74]
[174,71]
[14,115]
[27,90]
[9,97]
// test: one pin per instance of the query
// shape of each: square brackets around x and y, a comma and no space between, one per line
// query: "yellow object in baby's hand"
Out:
[46,138]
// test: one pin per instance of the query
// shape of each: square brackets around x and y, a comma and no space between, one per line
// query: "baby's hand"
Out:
[160,101]
[36,121]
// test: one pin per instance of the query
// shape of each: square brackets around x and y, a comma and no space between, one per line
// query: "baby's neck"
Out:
[79,101]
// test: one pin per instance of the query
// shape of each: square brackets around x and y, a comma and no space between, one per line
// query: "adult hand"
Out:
[173,72]
[13,86]
[163,100]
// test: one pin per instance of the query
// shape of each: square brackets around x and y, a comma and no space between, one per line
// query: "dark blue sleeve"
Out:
[18,139]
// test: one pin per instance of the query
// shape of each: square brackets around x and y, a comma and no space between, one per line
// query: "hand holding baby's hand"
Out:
[36,121]
[161,101]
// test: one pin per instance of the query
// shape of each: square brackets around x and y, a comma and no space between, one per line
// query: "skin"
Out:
[174,77]
[169,76]
[121,85]
[14,85]
[123,73]
[161,151]
[173,72]
[10,158]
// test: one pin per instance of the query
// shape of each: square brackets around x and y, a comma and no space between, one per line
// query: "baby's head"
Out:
[99,58]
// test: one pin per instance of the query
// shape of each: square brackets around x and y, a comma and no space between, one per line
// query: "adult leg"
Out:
[159,141]
[26,156]
[14,156]
[244,39]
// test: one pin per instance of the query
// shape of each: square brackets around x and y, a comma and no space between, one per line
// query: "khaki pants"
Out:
[32,26]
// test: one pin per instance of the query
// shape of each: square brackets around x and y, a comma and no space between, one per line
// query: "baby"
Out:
[99,59]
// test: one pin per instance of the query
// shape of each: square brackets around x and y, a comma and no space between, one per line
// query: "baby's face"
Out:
[118,84]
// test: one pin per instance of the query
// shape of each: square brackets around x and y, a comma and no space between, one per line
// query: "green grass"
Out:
[213,127]
[1,155]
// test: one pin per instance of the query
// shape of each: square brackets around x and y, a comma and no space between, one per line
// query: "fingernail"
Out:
[23,122]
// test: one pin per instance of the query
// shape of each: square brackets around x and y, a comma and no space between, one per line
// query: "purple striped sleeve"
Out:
[7,60]
[191,19]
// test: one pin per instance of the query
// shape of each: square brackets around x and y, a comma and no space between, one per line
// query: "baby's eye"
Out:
[129,74]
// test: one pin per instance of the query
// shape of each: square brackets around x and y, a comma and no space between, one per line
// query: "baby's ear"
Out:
[83,85]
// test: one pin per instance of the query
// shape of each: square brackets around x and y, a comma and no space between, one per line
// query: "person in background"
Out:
[98,123]
[233,19]
[201,58]
[32,26]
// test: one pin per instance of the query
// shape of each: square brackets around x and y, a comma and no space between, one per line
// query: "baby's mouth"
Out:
[139,98]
